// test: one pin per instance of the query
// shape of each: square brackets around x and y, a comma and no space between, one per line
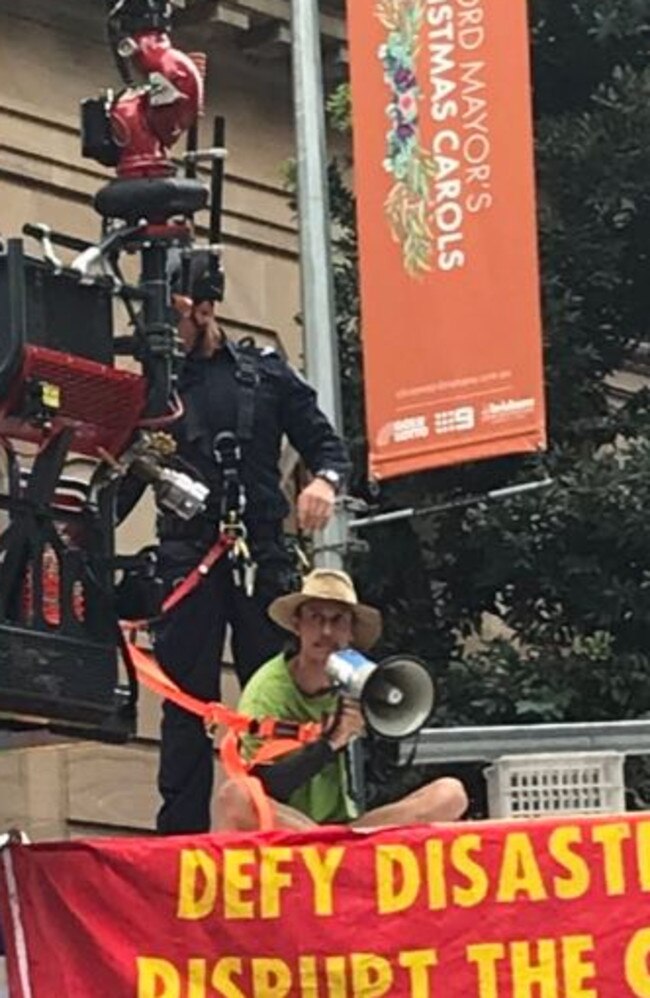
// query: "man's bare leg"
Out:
[441,800]
[234,811]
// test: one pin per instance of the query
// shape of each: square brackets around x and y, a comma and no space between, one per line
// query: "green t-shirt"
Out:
[272,692]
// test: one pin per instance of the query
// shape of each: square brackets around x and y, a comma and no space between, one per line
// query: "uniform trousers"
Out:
[189,644]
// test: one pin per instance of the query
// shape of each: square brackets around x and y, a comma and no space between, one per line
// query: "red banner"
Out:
[443,154]
[547,909]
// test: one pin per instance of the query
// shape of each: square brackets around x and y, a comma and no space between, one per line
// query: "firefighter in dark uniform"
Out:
[239,401]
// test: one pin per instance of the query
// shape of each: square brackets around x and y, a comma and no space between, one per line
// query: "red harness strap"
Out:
[198,574]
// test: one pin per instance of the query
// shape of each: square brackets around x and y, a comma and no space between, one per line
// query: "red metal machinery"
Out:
[60,390]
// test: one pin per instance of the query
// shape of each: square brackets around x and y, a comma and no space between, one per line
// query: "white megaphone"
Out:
[396,695]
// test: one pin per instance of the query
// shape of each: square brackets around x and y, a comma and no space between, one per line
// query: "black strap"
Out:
[227,456]
[122,643]
[248,376]
[127,660]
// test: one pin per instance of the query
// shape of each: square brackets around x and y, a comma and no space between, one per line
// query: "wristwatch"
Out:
[332,477]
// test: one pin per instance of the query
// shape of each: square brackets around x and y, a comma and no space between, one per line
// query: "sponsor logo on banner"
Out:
[507,409]
[402,431]
[457,420]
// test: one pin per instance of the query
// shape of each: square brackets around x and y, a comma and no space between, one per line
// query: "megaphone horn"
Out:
[396,695]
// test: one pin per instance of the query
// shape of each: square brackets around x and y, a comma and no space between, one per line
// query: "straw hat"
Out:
[329,584]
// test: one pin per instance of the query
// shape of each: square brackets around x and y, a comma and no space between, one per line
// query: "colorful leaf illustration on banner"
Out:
[411,166]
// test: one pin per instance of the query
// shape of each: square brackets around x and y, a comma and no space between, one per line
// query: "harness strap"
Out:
[152,676]
[248,378]
[280,737]
[198,574]
[237,769]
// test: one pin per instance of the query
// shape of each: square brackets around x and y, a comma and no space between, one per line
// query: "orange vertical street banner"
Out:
[448,249]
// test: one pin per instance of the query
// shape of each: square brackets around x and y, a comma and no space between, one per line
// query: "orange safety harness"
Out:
[280,737]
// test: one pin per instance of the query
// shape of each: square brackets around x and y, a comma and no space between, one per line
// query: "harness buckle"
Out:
[246,372]
[244,569]
[226,450]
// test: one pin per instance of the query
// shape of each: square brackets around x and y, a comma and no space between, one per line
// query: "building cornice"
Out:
[263,27]
[260,23]
[245,13]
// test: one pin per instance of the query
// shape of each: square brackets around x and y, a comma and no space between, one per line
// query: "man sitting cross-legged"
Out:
[309,787]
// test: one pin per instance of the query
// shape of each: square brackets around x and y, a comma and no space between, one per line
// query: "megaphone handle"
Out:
[355,773]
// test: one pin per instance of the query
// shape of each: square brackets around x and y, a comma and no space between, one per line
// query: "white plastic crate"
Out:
[529,786]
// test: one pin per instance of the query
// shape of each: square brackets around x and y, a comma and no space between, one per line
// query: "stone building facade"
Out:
[53,53]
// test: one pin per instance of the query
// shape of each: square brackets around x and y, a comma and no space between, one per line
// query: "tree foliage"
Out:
[566,569]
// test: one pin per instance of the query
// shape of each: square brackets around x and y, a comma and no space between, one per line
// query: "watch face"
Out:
[332,477]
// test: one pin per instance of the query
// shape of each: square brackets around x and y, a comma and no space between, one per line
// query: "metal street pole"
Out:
[317,289]
[318,312]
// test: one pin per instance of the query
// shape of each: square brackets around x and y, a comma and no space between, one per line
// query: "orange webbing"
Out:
[151,675]
[213,714]
[237,769]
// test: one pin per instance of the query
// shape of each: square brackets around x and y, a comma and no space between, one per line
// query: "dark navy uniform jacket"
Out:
[215,389]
